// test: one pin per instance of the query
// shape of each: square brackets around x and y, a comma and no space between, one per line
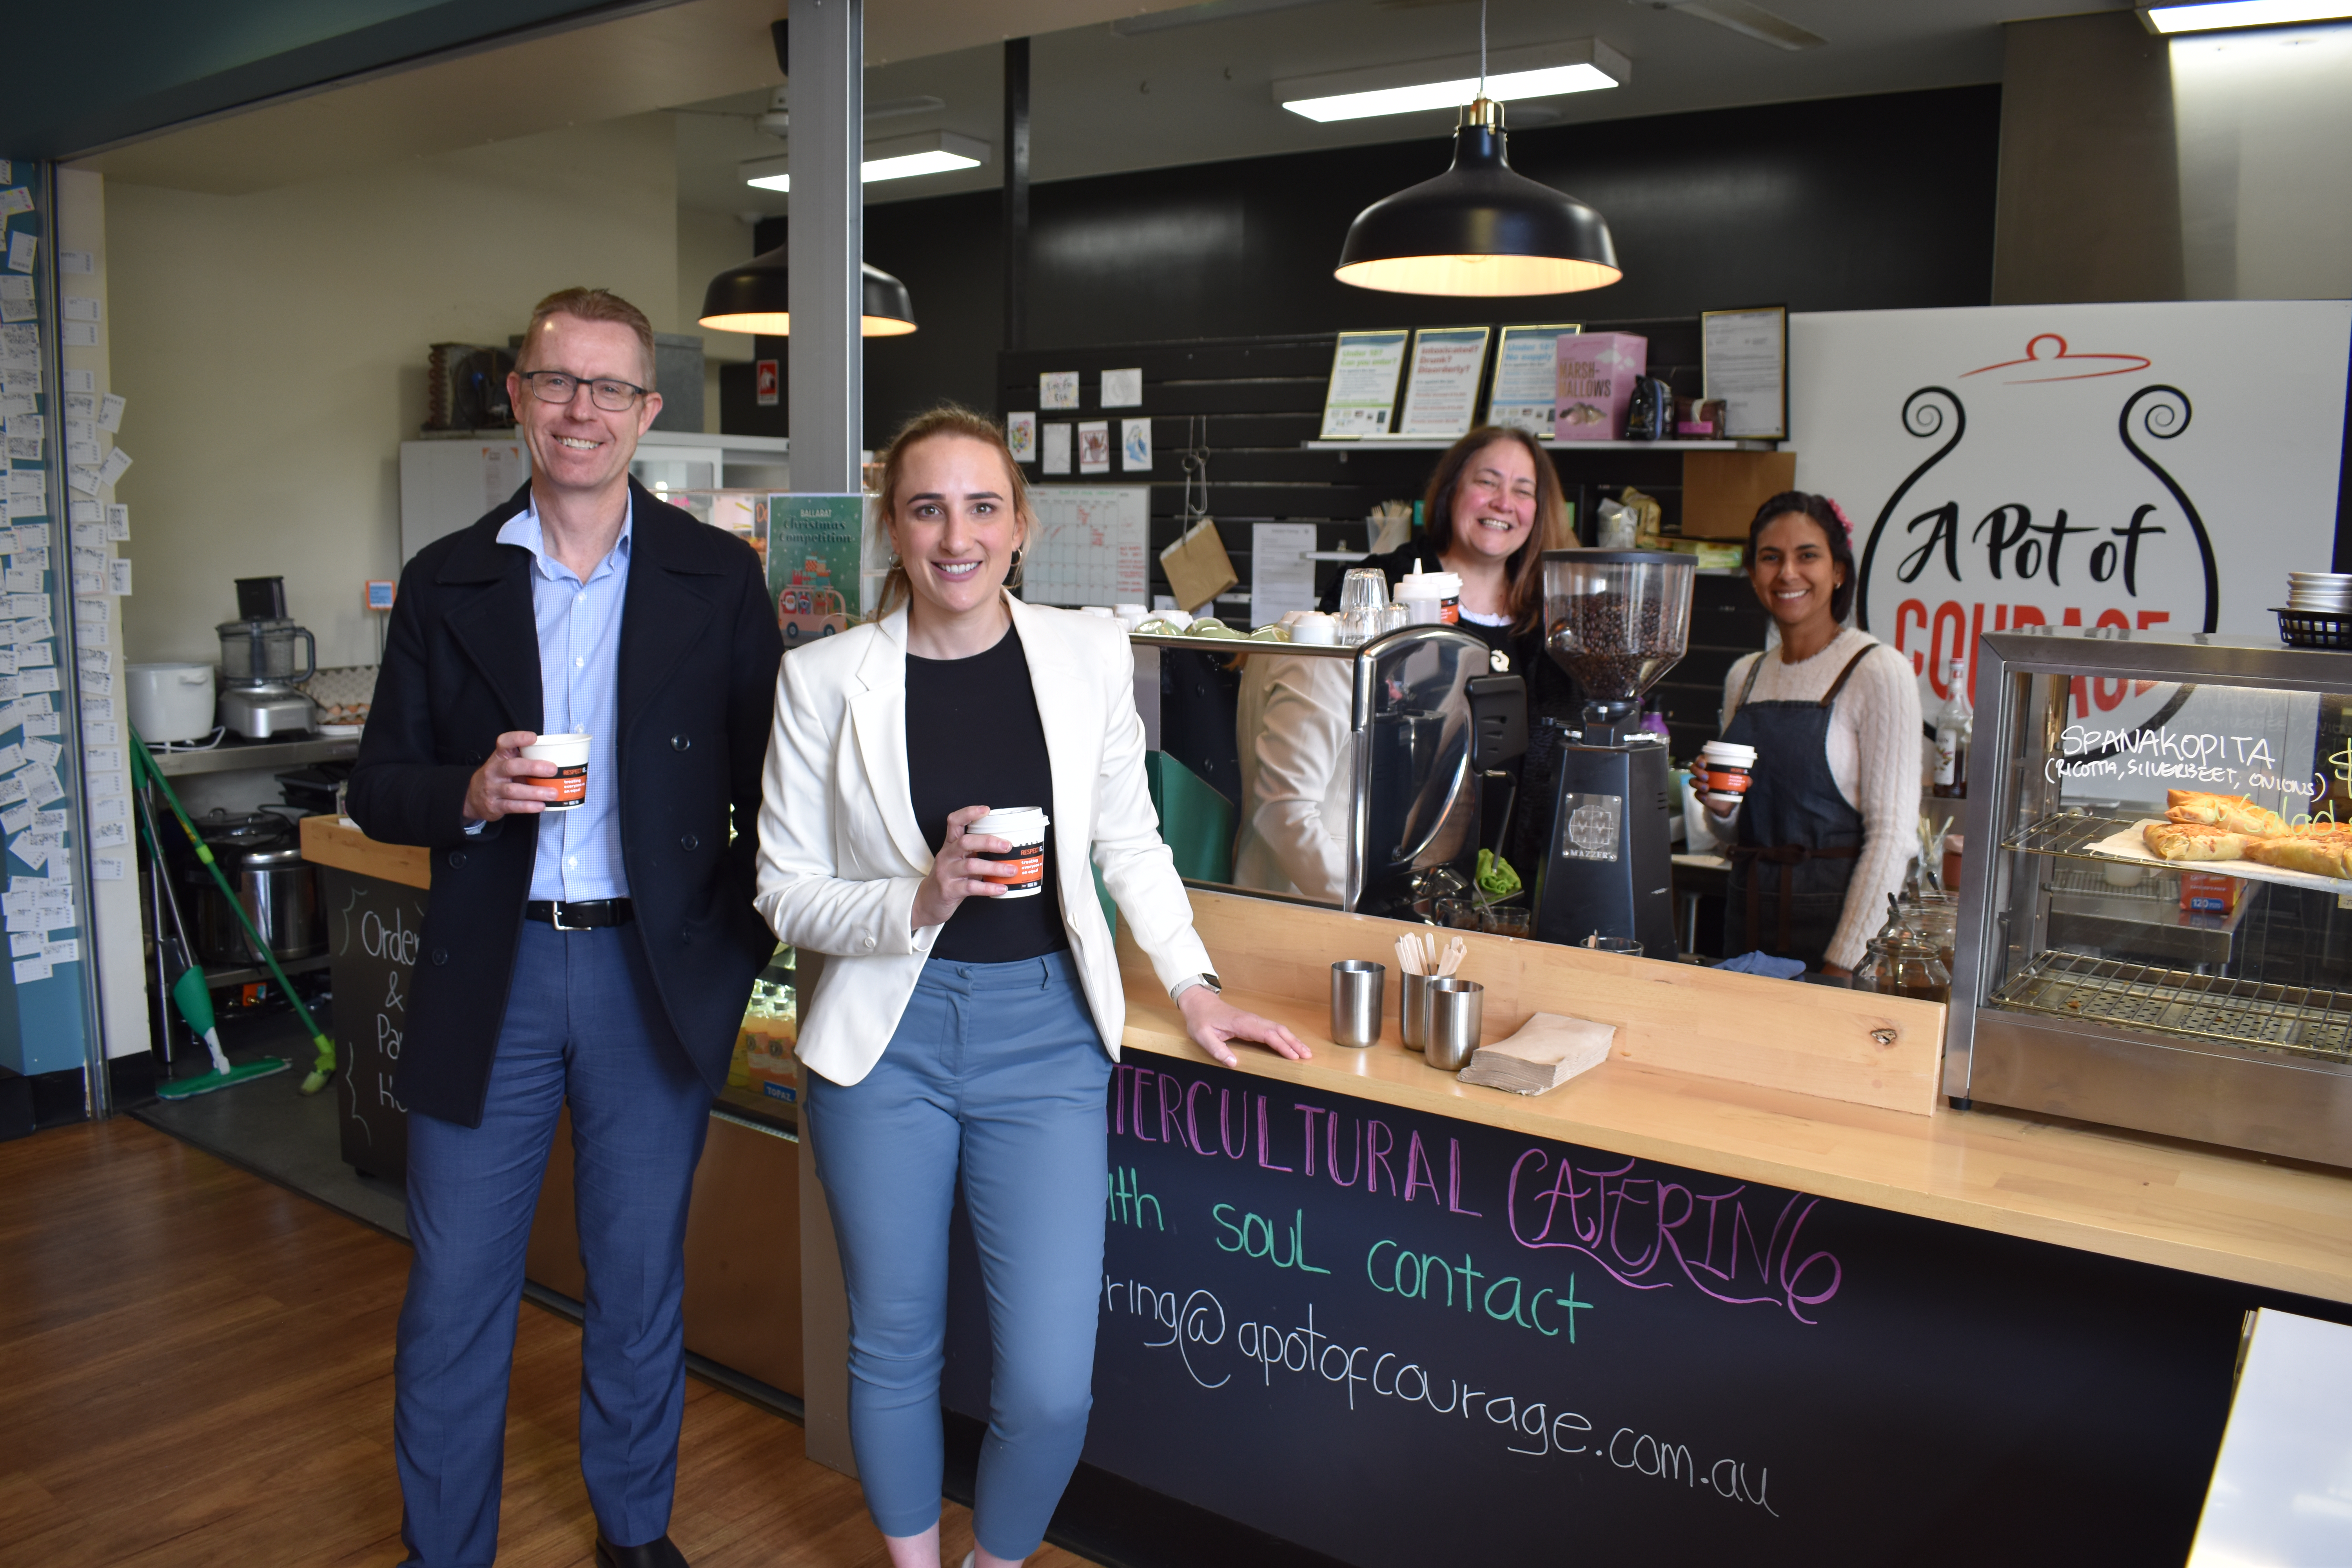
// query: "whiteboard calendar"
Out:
[1092,545]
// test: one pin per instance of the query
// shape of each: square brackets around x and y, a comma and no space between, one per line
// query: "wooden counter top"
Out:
[2182,1206]
[334,841]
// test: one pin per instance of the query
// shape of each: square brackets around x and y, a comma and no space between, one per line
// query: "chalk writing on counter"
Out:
[1647,1231]
[1214,1350]
[1708,1238]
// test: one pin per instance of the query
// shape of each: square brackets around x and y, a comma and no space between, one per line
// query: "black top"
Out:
[973,737]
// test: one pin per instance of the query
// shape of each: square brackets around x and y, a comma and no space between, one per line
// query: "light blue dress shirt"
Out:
[579,682]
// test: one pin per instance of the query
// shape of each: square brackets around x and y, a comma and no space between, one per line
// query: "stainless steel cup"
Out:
[1412,1011]
[1357,985]
[1456,1007]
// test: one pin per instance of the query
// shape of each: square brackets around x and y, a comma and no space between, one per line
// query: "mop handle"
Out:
[326,1061]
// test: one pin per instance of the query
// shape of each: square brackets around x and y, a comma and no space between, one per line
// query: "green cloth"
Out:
[1195,822]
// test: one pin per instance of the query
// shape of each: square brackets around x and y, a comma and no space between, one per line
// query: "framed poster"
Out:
[1744,360]
[1365,367]
[1441,399]
[1527,375]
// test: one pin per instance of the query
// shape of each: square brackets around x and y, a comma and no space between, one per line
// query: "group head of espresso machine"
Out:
[1616,621]
[1426,729]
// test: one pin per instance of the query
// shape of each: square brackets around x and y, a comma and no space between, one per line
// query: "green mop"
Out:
[323,1067]
[190,995]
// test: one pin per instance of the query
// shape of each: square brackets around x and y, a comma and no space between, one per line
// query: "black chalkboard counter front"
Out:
[1368,1314]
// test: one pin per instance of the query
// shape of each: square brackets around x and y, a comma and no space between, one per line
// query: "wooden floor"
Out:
[195,1370]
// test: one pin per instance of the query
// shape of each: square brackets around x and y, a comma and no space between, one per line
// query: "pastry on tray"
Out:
[2327,855]
[2234,812]
[2194,841]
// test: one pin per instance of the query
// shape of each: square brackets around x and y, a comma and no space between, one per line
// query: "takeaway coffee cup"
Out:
[570,755]
[1021,869]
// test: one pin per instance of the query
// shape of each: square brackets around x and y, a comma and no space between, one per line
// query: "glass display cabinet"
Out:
[2095,978]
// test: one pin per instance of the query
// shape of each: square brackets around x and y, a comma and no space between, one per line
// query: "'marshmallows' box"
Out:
[1597,373]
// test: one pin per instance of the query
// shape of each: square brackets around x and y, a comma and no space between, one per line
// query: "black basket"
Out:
[2316,629]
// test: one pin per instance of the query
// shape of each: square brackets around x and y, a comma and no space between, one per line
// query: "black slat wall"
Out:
[1251,405]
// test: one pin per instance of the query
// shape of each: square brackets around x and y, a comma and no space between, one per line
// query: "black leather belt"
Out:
[583,916]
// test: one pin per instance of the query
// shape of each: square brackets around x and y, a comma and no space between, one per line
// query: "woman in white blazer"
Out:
[956,1028]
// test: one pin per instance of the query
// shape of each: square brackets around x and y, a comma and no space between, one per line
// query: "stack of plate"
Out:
[2325,593]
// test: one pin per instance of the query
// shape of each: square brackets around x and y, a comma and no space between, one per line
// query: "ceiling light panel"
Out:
[1541,70]
[2241,13]
[896,158]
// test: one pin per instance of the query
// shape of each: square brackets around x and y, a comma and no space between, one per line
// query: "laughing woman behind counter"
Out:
[1001,1016]
[1827,826]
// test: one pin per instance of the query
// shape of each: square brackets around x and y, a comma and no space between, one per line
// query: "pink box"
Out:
[1597,373]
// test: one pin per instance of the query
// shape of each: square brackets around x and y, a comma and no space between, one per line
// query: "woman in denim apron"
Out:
[1825,828]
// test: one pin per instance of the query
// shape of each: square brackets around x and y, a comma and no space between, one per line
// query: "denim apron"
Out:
[1798,837]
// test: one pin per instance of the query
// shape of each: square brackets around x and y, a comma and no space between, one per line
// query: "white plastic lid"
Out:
[1418,584]
[1019,824]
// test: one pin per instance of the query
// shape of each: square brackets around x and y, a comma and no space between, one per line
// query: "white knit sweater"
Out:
[1873,756]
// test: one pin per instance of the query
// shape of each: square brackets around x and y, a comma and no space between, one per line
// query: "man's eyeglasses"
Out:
[555,387]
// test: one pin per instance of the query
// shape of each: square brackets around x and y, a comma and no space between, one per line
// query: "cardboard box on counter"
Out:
[1721,490]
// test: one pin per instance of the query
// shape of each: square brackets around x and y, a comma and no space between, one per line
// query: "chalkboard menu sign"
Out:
[373,928]
[1396,1338]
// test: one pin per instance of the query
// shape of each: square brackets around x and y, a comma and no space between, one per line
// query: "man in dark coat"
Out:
[591,949]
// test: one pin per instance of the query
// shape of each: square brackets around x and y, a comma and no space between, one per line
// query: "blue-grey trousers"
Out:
[996,1074]
[583,1028]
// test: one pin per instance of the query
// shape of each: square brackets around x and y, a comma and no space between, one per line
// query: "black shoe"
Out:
[652,1555]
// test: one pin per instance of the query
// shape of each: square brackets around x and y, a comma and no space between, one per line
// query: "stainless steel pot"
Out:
[278,888]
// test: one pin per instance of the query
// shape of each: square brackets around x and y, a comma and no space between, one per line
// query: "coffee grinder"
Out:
[1616,620]
[259,669]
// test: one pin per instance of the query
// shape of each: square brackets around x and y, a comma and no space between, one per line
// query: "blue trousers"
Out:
[996,1073]
[583,1028]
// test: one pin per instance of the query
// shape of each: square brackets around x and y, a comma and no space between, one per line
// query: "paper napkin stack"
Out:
[1546,1052]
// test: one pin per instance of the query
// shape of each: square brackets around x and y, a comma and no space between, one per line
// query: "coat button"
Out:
[689,843]
[456,859]
[680,743]
[440,955]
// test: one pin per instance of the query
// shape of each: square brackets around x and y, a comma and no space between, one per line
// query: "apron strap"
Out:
[1746,686]
[1787,857]
[1830,698]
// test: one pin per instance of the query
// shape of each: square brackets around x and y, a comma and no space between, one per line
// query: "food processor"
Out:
[1616,621]
[259,667]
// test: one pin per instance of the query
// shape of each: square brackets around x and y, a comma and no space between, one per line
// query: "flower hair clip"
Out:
[1843,521]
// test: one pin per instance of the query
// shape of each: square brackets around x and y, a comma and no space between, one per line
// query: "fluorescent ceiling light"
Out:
[1543,70]
[2241,14]
[899,158]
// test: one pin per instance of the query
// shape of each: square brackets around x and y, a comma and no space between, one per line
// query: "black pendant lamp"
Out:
[752,299]
[1479,228]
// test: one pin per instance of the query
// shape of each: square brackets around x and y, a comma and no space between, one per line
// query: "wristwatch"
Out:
[1190,981]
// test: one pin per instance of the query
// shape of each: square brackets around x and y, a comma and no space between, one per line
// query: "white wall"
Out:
[272,349]
[2264,122]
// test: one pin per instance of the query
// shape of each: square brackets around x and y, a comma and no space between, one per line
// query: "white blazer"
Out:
[840,856]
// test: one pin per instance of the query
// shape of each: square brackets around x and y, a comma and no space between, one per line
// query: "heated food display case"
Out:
[2207,998]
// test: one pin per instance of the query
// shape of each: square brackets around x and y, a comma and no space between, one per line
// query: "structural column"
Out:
[1016,194]
[826,244]
[825,362]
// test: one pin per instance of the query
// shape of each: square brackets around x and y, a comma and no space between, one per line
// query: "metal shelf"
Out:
[258,975]
[2303,1020]
[2071,835]
[230,756]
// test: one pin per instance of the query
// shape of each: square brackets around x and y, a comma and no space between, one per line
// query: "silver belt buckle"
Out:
[555,913]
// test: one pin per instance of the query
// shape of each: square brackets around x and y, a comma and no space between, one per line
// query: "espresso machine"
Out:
[1616,620]
[260,668]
